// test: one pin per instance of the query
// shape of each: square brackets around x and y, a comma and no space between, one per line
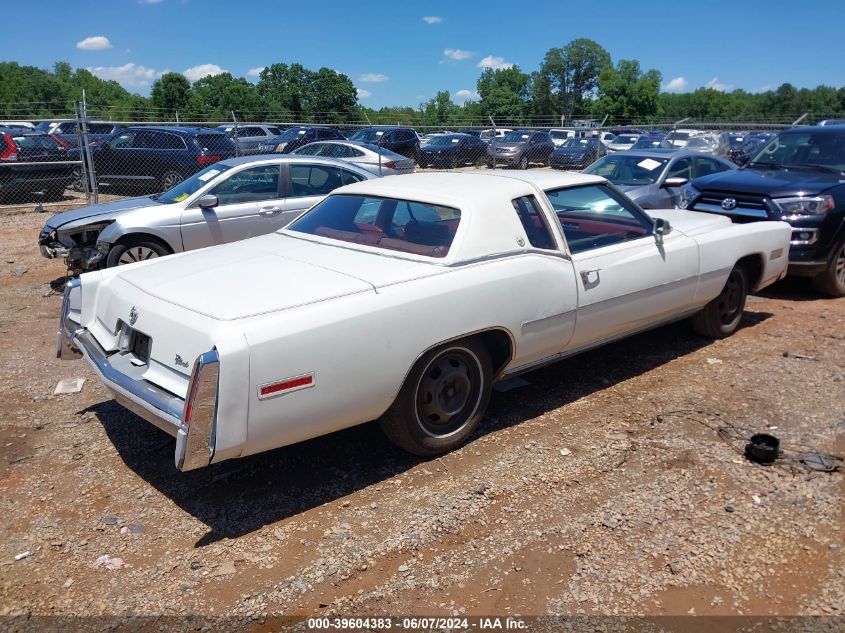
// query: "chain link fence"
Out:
[80,159]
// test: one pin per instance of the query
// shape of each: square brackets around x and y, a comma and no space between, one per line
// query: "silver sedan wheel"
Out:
[136,254]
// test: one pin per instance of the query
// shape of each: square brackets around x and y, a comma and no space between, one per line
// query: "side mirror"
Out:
[208,202]
[674,182]
[662,228]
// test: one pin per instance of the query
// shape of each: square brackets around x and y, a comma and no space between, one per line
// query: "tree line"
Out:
[576,81]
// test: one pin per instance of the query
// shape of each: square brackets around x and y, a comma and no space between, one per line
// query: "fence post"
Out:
[493,141]
[89,172]
[237,149]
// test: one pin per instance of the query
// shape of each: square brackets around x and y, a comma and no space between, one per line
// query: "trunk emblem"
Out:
[179,362]
[728,204]
[133,315]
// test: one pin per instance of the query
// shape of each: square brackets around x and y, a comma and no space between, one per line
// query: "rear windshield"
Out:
[35,141]
[624,139]
[215,142]
[389,223]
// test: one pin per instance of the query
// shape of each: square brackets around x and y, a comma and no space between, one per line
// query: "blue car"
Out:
[575,153]
[154,158]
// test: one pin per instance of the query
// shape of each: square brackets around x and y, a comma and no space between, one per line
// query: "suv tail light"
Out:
[10,151]
[208,160]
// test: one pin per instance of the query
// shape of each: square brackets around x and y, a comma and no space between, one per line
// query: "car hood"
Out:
[285,273]
[433,149]
[104,209]
[775,183]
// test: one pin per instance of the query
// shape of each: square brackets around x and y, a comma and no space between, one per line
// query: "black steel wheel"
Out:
[442,400]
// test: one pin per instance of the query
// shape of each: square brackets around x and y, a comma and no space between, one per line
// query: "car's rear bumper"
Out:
[194,440]
[806,269]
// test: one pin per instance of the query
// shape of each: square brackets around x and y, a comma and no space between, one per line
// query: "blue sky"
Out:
[401,53]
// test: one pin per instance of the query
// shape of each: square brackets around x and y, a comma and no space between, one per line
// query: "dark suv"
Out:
[295,137]
[402,140]
[155,158]
[797,177]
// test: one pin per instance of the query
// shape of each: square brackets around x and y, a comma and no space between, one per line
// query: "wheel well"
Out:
[752,266]
[134,238]
[499,346]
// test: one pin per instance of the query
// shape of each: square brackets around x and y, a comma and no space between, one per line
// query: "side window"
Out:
[594,216]
[348,177]
[100,128]
[533,222]
[145,140]
[170,141]
[313,180]
[249,185]
[122,141]
[706,166]
[66,127]
[314,149]
[681,169]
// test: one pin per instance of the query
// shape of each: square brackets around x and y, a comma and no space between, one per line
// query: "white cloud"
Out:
[94,43]
[432,19]
[129,75]
[363,94]
[676,85]
[373,78]
[494,62]
[457,53]
[203,70]
[715,84]
[254,72]
[466,94]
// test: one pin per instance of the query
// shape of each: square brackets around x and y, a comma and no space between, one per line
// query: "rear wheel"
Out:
[832,280]
[523,162]
[442,401]
[720,318]
[170,179]
[135,250]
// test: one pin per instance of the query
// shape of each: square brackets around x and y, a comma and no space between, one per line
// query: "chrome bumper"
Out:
[192,422]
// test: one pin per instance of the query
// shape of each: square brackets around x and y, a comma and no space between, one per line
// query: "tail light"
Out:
[390,165]
[200,413]
[10,152]
[208,160]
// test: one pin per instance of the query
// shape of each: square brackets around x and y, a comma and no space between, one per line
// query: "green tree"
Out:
[215,97]
[171,92]
[504,94]
[439,110]
[627,93]
[331,96]
[570,76]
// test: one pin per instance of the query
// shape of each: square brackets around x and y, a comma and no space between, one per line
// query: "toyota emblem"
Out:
[728,204]
[133,316]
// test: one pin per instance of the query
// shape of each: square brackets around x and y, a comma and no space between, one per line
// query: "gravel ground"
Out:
[580,494]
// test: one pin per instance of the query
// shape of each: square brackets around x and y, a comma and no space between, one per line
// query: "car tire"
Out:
[442,400]
[169,179]
[134,250]
[453,162]
[832,280]
[76,182]
[523,162]
[720,318]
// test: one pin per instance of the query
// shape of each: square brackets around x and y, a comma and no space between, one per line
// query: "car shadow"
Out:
[793,289]
[237,497]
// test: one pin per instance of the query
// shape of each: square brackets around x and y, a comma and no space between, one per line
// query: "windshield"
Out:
[679,136]
[292,133]
[440,141]
[190,186]
[516,137]
[700,142]
[384,223]
[631,170]
[803,149]
[576,142]
[370,136]
[626,139]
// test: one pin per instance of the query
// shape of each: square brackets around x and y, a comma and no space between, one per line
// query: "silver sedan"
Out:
[365,155]
[228,201]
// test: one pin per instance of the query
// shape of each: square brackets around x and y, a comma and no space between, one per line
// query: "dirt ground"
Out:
[580,494]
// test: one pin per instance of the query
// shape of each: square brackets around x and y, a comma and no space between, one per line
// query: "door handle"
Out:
[590,278]
[268,212]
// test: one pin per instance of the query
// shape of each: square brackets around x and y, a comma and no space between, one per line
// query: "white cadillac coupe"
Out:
[402,299]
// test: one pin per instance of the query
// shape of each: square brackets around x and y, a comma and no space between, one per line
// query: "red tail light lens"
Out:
[208,160]
[390,165]
[10,152]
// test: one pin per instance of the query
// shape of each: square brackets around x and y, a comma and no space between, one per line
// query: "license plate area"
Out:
[135,344]
[141,344]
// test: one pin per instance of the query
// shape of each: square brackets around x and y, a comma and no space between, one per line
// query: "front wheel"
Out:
[523,162]
[720,318]
[442,401]
[170,179]
[135,250]
[832,280]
